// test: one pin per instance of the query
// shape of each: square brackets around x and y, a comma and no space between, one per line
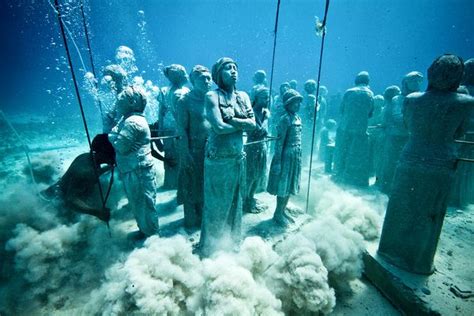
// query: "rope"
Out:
[275,32]
[317,97]
[86,31]
[78,95]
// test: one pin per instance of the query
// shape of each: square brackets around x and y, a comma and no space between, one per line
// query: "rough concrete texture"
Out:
[449,290]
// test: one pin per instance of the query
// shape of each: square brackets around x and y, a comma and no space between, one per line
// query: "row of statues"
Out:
[205,159]
[405,138]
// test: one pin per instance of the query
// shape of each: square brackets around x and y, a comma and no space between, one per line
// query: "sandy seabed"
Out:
[55,264]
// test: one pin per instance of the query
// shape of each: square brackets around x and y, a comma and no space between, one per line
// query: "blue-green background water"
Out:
[387,38]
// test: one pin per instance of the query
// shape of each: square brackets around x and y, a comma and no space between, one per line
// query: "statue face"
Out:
[294,106]
[414,84]
[229,74]
[203,82]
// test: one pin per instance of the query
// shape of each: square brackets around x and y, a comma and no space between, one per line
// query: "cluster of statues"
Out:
[216,144]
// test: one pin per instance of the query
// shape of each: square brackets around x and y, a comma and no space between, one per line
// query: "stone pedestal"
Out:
[438,294]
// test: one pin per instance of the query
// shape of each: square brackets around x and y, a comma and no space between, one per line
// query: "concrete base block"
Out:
[418,294]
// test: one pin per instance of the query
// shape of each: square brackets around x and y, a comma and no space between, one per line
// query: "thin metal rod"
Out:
[317,97]
[275,32]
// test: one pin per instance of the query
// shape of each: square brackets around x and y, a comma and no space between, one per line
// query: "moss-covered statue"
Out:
[396,134]
[351,161]
[131,141]
[257,152]
[285,170]
[463,190]
[425,171]
[167,121]
[193,130]
[229,113]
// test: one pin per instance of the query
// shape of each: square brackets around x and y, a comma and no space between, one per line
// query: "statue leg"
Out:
[280,217]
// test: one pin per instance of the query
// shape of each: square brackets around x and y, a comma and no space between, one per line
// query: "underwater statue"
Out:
[277,109]
[257,152]
[322,106]
[375,133]
[309,103]
[193,130]
[78,187]
[285,170]
[351,158]
[125,58]
[463,188]
[308,107]
[396,134]
[259,81]
[229,113]
[131,141]
[425,172]
[327,144]
[114,79]
[293,84]
[167,116]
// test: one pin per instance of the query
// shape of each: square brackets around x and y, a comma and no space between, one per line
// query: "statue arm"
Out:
[214,116]
[123,140]
[248,123]
[280,143]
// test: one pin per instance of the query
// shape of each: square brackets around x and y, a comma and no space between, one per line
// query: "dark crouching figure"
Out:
[425,171]
[78,186]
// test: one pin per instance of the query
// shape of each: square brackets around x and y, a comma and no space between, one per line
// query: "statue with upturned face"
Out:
[424,175]
[351,159]
[167,117]
[396,134]
[229,113]
[193,129]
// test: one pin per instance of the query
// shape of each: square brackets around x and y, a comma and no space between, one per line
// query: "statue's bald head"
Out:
[445,73]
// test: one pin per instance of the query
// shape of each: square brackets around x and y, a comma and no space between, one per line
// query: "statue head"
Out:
[468,79]
[260,77]
[330,124]
[391,92]
[412,82]
[176,74]
[115,76]
[293,84]
[362,78]
[284,87]
[445,73]
[310,86]
[292,100]
[131,99]
[261,97]
[125,57]
[124,54]
[219,66]
[378,102]
[200,78]
[323,91]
